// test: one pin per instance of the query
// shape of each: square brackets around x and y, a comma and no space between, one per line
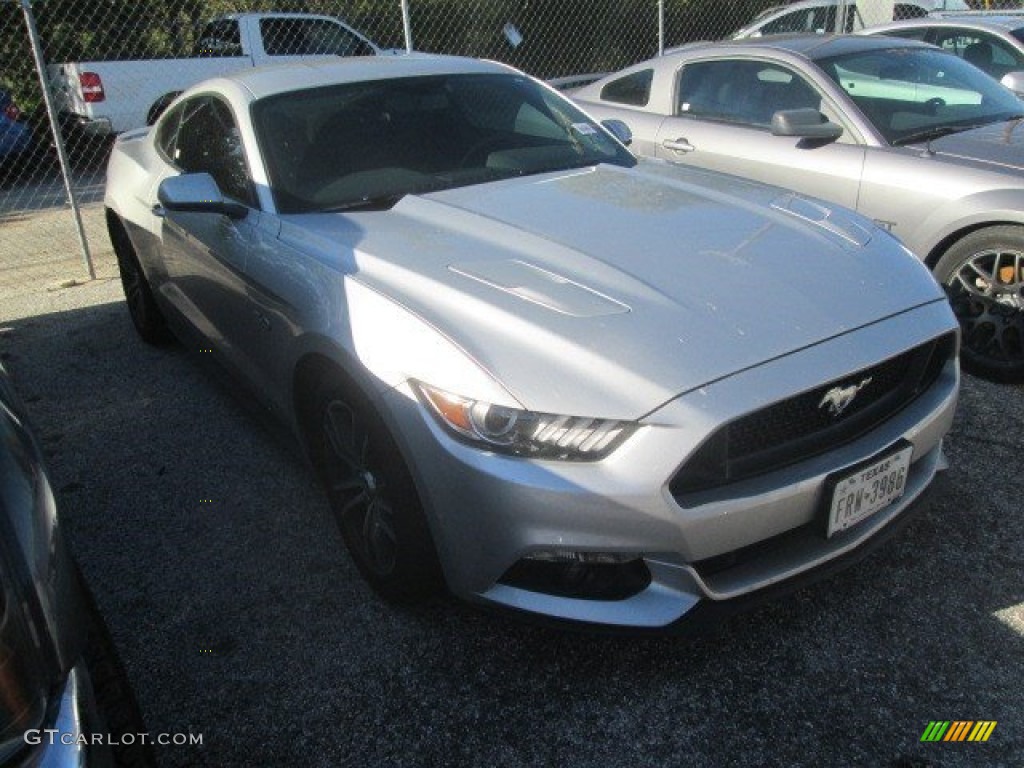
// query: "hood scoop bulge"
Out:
[539,286]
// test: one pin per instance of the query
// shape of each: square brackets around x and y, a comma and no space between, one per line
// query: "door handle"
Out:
[678,145]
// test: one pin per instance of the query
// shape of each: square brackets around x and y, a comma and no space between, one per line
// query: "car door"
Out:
[722,118]
[205,254]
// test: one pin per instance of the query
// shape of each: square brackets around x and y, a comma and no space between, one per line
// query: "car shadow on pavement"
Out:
[213,558]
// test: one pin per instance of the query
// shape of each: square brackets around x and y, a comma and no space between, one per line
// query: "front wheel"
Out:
[983,274]
[372,497]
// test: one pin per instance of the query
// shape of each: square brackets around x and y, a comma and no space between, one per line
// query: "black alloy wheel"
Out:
[374,500]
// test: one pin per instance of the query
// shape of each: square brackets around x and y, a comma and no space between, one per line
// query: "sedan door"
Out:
[722,121]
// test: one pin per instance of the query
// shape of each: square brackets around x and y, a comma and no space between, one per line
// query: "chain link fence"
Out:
[116,63]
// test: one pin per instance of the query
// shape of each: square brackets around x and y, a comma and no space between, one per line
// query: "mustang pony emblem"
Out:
[838,399]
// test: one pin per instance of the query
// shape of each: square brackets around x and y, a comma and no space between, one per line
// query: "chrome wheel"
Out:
[983,275]
[987,295]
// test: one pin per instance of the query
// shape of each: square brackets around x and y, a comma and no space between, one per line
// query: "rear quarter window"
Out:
[633,90]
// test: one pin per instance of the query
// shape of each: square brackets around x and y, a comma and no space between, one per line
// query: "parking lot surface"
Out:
[239,617]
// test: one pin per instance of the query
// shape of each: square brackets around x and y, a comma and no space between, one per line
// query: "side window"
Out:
[744,92]
[821,20]
[634,89]
[907,11]
[310,37]
[209,141]
[327,37]
[984,51]
[219,38]
[167,133]
[797,21]
[282,37]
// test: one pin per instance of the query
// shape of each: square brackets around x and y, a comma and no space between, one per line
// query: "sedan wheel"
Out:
[983,275]
[374,500]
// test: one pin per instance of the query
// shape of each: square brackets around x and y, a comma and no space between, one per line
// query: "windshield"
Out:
[912,94]
[366,144]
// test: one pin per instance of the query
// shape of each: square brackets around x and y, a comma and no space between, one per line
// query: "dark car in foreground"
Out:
[915,138]
[64,700]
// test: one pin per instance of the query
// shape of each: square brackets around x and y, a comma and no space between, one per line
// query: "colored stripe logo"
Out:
[958,730]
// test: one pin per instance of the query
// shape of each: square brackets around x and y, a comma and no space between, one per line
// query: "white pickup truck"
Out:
[104,97]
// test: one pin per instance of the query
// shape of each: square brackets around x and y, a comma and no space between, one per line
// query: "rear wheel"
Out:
[146,316]
[372,496]
[983,275]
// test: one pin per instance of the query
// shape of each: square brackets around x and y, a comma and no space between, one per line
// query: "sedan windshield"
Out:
[917,94]
[364,145]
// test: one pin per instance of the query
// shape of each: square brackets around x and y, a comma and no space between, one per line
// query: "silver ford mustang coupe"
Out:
[526,365]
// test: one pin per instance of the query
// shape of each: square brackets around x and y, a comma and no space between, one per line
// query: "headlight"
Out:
[525,433]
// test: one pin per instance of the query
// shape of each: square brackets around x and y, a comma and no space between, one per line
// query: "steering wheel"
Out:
[934,105]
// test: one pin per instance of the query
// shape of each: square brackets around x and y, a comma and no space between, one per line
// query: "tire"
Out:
[372,496]
[146,316]
[983,274]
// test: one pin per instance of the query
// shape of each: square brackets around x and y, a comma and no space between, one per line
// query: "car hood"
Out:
[997,146]
[610,291]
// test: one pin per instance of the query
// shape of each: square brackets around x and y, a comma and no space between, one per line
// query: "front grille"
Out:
[803,426]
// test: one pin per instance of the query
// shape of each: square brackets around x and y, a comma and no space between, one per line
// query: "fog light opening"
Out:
[580,575]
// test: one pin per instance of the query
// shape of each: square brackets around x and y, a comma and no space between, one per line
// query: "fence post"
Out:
[661,27]
[58,139]
[407,26]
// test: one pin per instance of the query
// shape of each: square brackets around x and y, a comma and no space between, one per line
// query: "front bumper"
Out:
[489,512]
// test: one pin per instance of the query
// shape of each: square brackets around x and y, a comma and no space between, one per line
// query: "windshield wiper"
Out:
[938,131]
[930,134]
[369,203]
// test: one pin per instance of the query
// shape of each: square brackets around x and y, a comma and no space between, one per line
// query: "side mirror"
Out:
[805,123]
[197,193]
[619,130]
[1015,82]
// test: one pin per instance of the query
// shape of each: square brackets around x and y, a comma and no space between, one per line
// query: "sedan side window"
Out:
[745,92]
[209,141]
[634,89]
[987,52]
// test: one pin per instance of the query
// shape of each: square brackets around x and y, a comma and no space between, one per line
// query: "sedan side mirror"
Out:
[619,130]
[805,123]
[1015,82]
[197,193]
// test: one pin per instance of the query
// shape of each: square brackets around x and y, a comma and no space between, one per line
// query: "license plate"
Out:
[869,489]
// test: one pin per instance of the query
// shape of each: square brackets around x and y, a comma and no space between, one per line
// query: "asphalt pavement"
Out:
[239,617]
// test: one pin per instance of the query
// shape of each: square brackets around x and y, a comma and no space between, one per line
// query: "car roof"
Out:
[267,81]
[810,46]
[1005,22]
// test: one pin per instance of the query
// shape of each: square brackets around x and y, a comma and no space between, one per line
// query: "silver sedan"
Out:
[912,137]
[524,364]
